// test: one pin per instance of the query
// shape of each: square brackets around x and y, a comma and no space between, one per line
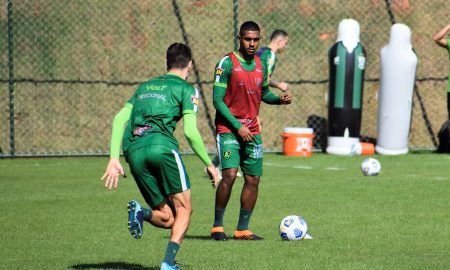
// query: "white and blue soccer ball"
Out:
[293,228]
[370,167]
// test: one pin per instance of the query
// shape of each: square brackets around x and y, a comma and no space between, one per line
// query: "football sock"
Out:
[148,213]
[244,219]
[171,252]
[218,217]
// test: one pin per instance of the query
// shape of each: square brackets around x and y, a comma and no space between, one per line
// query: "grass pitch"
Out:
[57,215]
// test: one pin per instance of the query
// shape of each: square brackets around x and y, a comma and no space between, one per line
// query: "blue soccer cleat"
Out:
[166,266]
[135,219]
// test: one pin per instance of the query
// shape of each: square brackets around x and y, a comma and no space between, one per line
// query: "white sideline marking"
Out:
[301,167]
[334,169]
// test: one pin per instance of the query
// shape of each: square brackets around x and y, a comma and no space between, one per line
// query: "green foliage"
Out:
[57,215]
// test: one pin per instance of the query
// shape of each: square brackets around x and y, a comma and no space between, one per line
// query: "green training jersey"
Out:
[268,57]
[158,105]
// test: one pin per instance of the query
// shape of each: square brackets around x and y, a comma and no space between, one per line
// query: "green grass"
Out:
[57,215]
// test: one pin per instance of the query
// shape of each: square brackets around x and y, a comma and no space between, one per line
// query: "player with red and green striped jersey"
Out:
[240,84]
[278,43]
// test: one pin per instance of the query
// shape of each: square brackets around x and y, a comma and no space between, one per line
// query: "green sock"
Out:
[218,217]
[148,213]
[171,252]
[244,219]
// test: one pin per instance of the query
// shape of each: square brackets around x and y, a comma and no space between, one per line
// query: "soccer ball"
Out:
[370,167]
[293,228]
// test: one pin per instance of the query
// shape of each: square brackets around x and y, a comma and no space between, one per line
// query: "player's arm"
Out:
[221,77]
[195,141]
[283,86]
[218,96]
[114,168]
[193,136]
[440,36]
[271,63]
[270,98]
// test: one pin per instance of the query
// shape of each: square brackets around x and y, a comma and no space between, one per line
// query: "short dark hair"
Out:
[278,33]
[178,56]
[248,26]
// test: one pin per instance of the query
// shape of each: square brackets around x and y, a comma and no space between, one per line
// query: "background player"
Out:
[278,43]
[442,39]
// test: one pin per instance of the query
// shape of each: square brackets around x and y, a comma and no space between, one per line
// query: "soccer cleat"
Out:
[135,219]
[246,235]
[166,266]
[218,234]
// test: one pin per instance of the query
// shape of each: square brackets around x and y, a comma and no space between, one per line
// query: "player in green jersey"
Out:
[442,39]
[151,150]
[278,43]
[240,84]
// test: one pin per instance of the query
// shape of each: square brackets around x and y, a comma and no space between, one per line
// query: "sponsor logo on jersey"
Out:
[230,142]
[219,72]
[244,121]
[194,100]
[155,87]
[237,69]
[140,131]
[258,70]
[258,82]
[152,95]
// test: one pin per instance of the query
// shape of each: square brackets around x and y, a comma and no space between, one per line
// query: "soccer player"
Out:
[240,84]
[442,39]
[278,42]
[151,150]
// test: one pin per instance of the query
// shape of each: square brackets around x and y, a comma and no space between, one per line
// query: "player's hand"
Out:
[286,98]
[245,133]
[213,175]
[283,86]
[111,176]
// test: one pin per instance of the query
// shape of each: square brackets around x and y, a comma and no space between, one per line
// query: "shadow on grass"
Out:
[113,265]
[198,237]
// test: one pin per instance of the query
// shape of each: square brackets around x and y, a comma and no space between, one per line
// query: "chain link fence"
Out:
[66,67]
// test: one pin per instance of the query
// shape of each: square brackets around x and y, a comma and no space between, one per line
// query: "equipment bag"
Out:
[444,138]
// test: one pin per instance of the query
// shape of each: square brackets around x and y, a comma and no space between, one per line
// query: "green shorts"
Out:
[158,171]
[234,152]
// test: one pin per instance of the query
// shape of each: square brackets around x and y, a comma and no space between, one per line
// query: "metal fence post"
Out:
[235,23]
[11,77]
